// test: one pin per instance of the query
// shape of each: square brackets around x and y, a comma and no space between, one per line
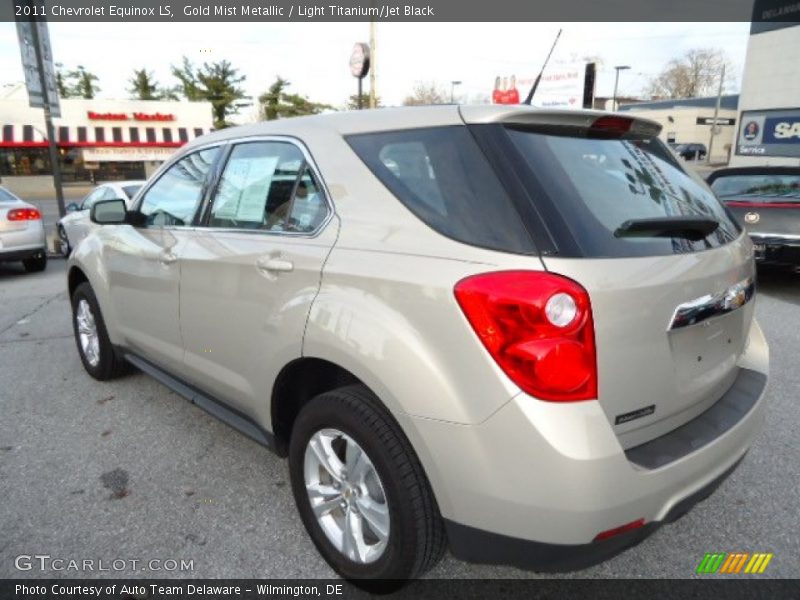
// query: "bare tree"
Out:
[425,92]
[693,75]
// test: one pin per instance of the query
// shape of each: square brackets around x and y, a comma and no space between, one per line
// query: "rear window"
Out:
[595,185]
[441,175]
[6,196]
[765,188]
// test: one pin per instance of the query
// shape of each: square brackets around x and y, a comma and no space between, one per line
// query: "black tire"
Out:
[109,364]
[66,249]
[416,539]
[37,263]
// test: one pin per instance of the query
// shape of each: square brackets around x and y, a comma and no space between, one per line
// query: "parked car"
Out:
[524,334]
[766,201]
[75,225]
[691,151]
[21,233]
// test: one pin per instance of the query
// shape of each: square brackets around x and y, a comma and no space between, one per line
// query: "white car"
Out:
[21,233]
[76,225]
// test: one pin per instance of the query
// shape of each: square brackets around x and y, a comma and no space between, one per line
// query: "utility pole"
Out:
[714,126]
[373,94]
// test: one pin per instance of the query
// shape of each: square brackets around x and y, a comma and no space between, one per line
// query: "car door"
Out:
[249,275]
[142,260]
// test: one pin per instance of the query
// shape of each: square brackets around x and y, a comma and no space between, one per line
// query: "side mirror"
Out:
[109,212]
[72,207]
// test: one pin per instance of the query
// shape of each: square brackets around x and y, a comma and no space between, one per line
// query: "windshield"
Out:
[758,187]
[597,185]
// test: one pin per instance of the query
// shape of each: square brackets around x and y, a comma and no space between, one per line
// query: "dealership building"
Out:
[691,120]
[98,140]
[769,107]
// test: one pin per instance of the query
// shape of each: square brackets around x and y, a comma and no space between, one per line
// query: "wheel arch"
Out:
[296,384]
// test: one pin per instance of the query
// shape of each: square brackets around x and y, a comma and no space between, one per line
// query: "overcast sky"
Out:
[314,56]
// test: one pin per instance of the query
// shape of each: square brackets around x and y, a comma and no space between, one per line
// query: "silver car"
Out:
[21,233]
[525,335]
[75,225]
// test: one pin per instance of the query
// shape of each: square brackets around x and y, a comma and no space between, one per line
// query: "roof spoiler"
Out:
[581,120]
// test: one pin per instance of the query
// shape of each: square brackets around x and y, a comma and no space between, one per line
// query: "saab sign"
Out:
[769,133]
[779,130]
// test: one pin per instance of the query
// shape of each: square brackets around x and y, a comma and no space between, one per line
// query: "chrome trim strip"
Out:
[712,305]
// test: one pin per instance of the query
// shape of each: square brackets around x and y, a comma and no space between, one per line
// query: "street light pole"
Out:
[616,85]
[453,85]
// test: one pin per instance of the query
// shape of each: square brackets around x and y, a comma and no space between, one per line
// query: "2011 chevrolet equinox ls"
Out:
[525,335]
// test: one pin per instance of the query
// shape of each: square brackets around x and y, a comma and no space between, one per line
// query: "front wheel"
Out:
[361,491]
[66,249]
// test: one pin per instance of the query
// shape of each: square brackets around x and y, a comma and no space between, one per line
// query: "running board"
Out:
[214,407]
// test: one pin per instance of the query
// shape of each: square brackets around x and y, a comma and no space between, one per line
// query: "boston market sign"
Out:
[136,116]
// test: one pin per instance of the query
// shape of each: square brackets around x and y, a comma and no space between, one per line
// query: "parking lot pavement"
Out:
[128,470]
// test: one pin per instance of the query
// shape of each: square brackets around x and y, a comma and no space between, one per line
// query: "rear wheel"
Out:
[361,491]
[35,263]
[95,348]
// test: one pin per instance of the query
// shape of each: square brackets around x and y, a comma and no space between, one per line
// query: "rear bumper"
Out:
[23,243]
[475,545]
[535,483]
[14,254]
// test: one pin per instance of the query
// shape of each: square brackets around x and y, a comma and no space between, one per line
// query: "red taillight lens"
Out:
[618,530]
[24,214]
[523,320]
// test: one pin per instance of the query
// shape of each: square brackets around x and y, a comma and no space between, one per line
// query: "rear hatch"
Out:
[668,272]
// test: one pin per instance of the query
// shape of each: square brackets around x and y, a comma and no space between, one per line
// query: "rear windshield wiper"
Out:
[687,226]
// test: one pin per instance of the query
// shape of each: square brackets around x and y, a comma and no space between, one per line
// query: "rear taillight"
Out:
[611,125]
[538,328]
[24,214]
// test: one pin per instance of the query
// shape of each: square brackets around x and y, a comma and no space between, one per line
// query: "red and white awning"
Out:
[16,135]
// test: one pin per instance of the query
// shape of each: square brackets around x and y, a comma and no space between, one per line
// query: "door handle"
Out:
[167,257]
[275,265]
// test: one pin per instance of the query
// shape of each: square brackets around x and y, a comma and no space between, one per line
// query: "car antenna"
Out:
[539,76]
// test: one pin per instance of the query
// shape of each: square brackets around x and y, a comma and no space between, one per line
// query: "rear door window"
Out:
[441,175]
[595,185]
[268,186]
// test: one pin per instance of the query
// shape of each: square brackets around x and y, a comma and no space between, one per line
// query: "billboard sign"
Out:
[562,86]
[769,133]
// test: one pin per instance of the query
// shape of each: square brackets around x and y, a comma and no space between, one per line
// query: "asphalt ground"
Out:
[128,470]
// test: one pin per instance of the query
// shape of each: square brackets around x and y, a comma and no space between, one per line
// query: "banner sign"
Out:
[562,86]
